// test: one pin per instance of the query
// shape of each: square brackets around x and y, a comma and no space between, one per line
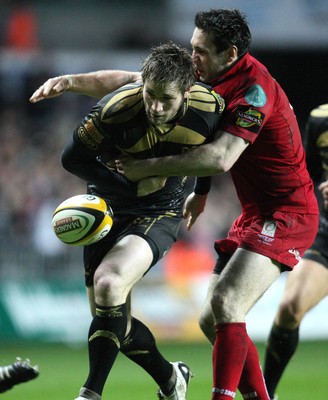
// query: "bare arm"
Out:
[213,158]
[94,84]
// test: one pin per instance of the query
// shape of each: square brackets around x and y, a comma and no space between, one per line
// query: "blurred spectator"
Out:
[21,33]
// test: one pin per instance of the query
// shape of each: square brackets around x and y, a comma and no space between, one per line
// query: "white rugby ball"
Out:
[82,220]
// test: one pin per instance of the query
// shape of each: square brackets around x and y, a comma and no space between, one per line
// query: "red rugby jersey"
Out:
[271,174]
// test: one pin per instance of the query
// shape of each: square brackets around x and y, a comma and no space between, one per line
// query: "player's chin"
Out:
[157,119]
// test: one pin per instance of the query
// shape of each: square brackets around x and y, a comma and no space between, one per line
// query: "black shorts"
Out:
[319,250]
[221,262]
[160,231]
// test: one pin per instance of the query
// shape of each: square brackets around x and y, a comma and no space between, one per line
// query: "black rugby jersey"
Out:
[316,147]
[118,125]
[316,143]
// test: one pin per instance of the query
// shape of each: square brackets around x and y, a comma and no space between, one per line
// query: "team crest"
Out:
[256,96]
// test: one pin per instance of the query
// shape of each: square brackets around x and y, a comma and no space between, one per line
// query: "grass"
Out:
[63,370]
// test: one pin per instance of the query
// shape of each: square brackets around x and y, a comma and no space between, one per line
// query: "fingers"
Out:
[189,217]
[53,87]
[119,166]
[190,222]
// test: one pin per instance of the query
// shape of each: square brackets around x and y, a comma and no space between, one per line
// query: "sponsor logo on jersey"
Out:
[85,138]
[248,118]
[220,101]
[256,96]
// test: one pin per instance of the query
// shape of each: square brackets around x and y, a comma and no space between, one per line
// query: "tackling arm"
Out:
[213,158]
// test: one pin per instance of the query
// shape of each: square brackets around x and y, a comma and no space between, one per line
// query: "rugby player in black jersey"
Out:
[307,285]
[166,114]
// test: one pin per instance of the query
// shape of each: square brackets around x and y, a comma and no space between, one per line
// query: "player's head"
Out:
[221,37]
[168,74]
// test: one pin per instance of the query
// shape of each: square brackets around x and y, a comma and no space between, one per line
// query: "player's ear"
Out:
[232,53]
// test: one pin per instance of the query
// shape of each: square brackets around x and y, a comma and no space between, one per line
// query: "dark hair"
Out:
[171,63]
[227,26]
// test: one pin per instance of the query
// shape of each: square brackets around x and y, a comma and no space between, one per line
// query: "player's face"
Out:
[209,63]
[162,101]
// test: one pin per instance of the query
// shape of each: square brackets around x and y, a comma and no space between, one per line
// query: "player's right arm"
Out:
[94,84]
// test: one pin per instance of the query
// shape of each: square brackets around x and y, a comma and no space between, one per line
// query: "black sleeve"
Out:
[202,185]
[85,165]
[313,157]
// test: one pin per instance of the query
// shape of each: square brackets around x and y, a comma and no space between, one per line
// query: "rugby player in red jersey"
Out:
[259,142]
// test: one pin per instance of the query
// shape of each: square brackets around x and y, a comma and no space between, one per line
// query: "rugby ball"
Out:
[82,220]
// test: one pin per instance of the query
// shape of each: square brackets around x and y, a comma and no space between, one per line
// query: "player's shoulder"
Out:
[204,98]
[122,104]
[320,111]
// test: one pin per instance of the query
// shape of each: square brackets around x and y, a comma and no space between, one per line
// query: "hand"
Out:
[150,185]
[193,207]
[53,87]
[323,187]
[132,169]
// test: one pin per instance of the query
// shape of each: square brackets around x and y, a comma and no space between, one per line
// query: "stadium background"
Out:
[41,282]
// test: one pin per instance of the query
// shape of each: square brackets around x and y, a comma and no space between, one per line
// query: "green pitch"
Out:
[63,370]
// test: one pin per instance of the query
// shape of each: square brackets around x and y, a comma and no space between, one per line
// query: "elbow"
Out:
[226,167]
[66,161]
[220,166]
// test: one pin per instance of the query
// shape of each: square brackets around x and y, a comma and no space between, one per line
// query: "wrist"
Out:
[69,79]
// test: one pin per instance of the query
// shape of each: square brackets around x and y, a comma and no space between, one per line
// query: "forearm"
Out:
[195,163]
[209,159]
[99,83]
[95,84]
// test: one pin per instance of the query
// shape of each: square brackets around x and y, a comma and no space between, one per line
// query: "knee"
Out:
[222,308]
[108,288]
[290,313]
[206,324]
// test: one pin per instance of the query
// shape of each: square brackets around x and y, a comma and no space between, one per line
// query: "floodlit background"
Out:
[41,289]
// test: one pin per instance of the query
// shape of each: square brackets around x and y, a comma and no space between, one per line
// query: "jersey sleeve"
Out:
[244,117]
[202,185]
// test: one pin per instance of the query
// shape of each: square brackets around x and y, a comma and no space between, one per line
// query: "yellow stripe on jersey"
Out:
[123,106]
[180,135]
[201,99]
[320,112]
[322,140]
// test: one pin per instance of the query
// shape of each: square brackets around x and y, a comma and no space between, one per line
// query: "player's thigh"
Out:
[246,277]
[128,260]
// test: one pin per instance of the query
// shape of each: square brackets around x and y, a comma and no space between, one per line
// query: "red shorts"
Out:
[283,237]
